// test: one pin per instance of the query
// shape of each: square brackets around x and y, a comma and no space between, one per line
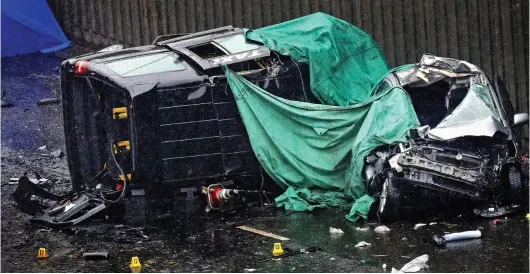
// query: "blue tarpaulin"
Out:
[30,26]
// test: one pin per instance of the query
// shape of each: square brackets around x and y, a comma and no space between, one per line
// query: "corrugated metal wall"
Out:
[492,34]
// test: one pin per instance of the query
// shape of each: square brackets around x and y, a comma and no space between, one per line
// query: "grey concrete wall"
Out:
[490,33]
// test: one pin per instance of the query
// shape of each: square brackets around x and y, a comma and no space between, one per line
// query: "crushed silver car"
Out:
[467,144]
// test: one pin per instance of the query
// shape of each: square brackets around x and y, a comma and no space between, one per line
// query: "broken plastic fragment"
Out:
[250,269]
[68,206]
[335,230]
[381,229]
[419,225]
[362,228]
[363,244]
[441,240]
[433,223]
[416,265]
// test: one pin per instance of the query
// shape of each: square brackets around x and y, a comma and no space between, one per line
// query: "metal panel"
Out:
[492,34]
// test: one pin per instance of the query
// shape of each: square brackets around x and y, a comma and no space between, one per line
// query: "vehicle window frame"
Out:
[230,36]
[181,62]
[209,42]
[504,98]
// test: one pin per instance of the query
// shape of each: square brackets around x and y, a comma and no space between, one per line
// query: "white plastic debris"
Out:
[57,154]
[394,163]
[381,229]
[395,271]
[333,230]
[363,244]
[333,259]
[419,225]
[362,228]
[68,206]
[433,223]
[43,147]
[416,265]
[384,266]
[250,269]
[463,235]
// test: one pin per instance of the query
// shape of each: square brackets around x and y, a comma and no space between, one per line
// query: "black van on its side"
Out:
[161,119]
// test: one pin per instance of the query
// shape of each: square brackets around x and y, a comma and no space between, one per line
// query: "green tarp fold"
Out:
[345,63]
[315,151]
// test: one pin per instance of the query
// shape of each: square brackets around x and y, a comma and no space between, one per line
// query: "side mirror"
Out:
[520,119]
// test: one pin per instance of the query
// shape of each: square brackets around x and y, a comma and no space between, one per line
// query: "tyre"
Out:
[514,186]
[389,200]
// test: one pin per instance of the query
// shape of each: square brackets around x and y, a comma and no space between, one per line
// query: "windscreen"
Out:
[477,105]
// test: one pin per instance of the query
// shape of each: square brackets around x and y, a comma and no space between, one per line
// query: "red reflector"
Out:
[119,187]
[81,68]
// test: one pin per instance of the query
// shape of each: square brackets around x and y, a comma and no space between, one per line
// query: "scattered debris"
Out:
[26,190]
[448,225]
[433,223]
[380,255]
[43,147]
[384,266]
[381,229]
[96,255]
[57,154]
[415,265]
[288,252]
[404,239]
[335,230]
[419,225]
[362,228]
[250,270]
[332,259]
[363,244]
[263,233]
[441,240]
[48,101]
[497,221]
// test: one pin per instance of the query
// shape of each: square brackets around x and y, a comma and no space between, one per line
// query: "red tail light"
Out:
[81,68]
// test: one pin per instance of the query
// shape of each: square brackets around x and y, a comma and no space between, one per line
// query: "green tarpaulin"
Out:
[345,63]
[316,151]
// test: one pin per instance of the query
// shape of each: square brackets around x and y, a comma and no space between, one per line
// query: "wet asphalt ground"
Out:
[198,245]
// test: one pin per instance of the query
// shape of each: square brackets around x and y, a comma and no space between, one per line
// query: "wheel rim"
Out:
[382,198]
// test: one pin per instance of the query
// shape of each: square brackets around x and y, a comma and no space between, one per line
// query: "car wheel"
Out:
[389,200]
[514,186]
